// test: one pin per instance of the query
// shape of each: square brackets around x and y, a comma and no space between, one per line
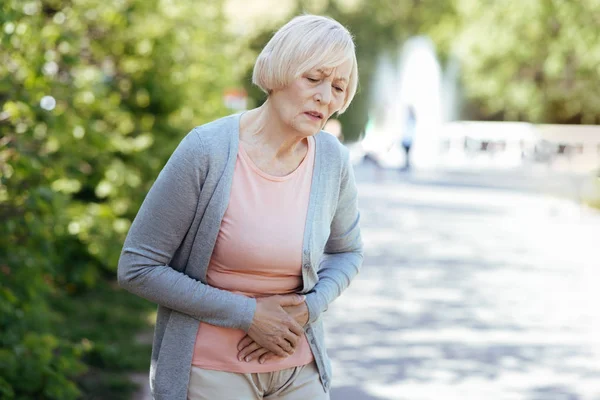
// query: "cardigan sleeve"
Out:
[157,232]
[343,253]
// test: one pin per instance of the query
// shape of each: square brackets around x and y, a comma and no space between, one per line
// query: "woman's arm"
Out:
[343,254]
[157,232]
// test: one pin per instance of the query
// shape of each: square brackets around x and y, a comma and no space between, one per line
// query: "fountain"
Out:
[415,80]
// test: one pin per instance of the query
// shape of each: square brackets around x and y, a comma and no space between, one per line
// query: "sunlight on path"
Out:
[469,294]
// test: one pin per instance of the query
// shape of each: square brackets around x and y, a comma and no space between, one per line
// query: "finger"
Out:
[244,342]
[292,339]
[291,299]
[267,357]
[295,328]
[287,346]
[256,354]
[247,350]
[275,347]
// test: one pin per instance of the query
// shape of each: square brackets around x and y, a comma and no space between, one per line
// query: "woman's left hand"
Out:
[249,350]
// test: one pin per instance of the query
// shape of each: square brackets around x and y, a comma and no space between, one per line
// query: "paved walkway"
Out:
[468,291]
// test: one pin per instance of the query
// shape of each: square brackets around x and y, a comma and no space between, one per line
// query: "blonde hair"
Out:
[304,43]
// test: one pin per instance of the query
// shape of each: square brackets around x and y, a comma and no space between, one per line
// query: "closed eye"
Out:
[339,89]
[312,79]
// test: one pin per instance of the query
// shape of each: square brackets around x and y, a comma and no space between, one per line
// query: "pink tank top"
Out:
[258,252]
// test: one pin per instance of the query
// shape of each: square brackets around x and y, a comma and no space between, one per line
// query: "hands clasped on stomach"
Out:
[276,328]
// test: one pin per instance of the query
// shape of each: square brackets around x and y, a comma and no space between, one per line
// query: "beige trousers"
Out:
[298,383]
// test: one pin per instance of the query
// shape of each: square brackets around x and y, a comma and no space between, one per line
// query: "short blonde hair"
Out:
[304,43]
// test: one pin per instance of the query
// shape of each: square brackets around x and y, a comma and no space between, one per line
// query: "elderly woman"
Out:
[251,230]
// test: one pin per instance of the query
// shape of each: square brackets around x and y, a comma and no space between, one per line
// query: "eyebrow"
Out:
[336,79]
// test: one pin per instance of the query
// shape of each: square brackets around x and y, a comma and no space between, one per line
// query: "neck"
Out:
[262,127]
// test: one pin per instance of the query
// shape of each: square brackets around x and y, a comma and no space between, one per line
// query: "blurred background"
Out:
[475,136]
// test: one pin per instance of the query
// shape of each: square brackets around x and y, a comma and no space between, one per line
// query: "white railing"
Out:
[573,148]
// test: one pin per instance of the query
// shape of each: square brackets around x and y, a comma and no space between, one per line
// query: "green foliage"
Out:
[94,96]
[39,366]
[113,386]
[528,60]
[108,322]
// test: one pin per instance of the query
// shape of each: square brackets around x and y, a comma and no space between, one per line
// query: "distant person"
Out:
[408,134]
[251,230]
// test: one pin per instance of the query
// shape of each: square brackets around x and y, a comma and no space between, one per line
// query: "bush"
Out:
[94,96]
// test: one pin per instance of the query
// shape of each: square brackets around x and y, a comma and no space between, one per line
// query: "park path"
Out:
[468,291]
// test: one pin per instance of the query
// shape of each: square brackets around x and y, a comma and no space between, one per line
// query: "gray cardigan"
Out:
[167,250]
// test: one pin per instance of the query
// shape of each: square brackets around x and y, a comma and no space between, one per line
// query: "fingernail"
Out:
[261,361]
[248,359]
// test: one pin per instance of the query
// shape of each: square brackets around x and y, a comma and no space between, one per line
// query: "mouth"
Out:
[314,115]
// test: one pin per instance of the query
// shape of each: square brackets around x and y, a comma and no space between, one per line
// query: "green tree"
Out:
[528,60]
[94,96]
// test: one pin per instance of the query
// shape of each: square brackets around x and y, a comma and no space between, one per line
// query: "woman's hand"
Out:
[250,350]
[273,328]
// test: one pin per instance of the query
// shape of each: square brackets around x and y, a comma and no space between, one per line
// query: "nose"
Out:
[323,94]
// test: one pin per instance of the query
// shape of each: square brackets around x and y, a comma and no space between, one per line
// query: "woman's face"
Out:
[307,102]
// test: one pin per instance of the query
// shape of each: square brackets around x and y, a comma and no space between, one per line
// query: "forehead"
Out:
[341,72]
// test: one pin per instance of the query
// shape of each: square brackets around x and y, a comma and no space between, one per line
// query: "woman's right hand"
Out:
[273,328]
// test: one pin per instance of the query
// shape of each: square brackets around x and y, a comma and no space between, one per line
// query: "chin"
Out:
[306,129]
[310,130]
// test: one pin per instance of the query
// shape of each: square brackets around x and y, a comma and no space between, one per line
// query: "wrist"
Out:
[312,307]
[253,305]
